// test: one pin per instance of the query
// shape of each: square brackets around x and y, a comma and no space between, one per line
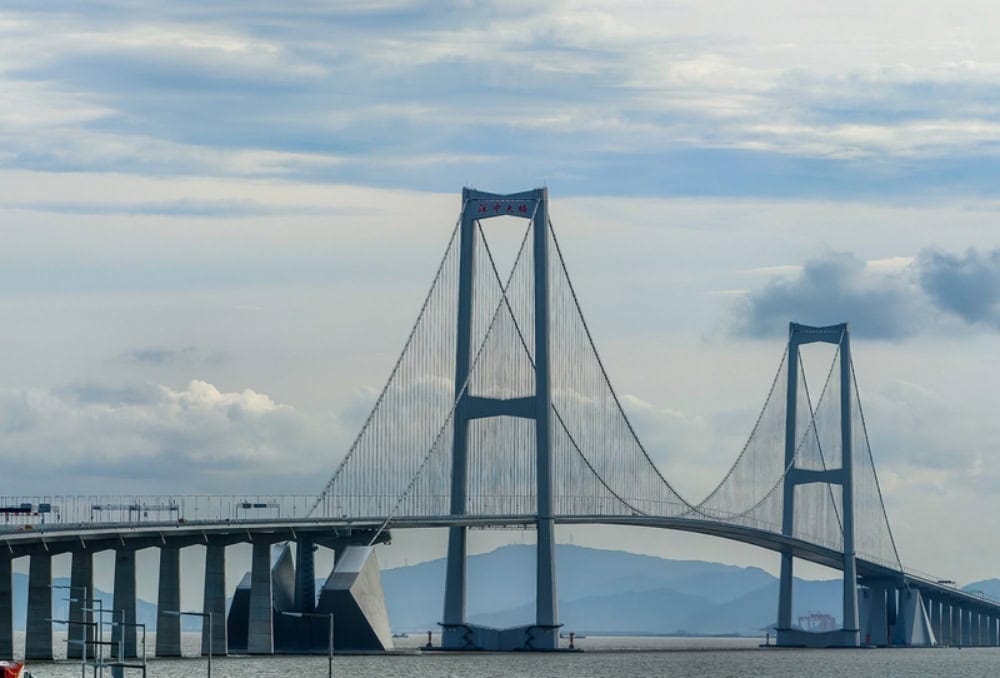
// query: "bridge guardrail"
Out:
[26,512]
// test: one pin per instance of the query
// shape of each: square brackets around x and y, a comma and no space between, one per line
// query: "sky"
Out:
[218,221]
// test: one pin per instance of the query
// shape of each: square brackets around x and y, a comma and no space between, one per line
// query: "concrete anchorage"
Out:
[168,627]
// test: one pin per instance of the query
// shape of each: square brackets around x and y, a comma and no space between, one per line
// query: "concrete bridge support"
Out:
[81,581]
[934,615]
[6,607]
[38,632]
[215,599]
[124,603]
[168,627]
[850,634]
[305,575]
[260,633]
[544,633]
[877,632]
[945,637]
[966,627]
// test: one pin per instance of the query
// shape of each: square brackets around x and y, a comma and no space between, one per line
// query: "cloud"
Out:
[888,298]
[834,288]
[966,285]
[177,208]
[161,356]
[646,99]
[96,438]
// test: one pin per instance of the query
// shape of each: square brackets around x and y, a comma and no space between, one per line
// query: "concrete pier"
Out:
[38,632]
[6,608]
[168,627]
[260,634]
[124,603]
[305,575]
[81,581]
[215,599]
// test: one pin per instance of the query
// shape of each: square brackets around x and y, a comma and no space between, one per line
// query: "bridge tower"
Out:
[457,634]
[849,634]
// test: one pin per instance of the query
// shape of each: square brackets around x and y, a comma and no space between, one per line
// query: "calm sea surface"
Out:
[615,657]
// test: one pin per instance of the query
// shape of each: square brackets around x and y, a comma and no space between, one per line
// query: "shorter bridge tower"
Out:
[849,634]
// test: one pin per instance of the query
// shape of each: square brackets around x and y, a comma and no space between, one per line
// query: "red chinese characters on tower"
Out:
[491,208]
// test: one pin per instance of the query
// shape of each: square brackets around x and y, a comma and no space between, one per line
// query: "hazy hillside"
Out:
[991,587]
[606,591]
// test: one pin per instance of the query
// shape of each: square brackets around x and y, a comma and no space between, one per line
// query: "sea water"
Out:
[616,657]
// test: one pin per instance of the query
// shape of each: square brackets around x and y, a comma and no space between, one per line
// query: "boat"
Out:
[13,670]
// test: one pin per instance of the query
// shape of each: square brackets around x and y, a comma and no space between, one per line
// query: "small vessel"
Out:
[13,670]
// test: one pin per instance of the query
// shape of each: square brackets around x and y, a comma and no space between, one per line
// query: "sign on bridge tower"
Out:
[536,406]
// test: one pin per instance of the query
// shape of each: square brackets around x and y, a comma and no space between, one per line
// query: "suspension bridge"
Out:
[499,412]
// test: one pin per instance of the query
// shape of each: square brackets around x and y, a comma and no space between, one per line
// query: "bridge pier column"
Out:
[124,602]
[878,619]
[168,627]
[260,633]
[38,631]
[966,621]
[892,615]
[305,575]
[934,615]
[6,607]
[81,577]
[214,600]
[945,637]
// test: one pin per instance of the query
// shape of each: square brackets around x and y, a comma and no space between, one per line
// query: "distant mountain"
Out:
[145,611]
[991,587]
[603,591]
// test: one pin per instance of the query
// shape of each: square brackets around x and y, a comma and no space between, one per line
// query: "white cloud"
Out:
[90,438]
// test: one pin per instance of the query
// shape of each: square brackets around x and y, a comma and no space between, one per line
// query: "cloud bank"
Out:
[647,98]
[95,438]
[880,302]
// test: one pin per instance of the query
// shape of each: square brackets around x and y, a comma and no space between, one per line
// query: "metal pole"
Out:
[83,618]
[329,671]
[209,643]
